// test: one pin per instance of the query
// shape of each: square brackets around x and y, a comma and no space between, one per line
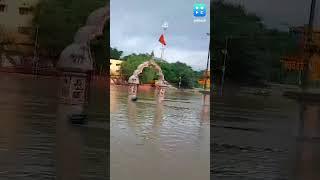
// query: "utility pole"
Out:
[35,52]
[225,52]
[309,45]
[207,69]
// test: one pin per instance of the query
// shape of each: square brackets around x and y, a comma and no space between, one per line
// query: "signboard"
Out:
[297,64]
[203,81]
[293,63]
[315,67]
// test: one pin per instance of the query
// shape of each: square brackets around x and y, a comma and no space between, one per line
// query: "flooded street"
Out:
[257,137]
[166,141]
[37,142]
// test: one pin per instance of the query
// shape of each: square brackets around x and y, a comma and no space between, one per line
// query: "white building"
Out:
[16,27]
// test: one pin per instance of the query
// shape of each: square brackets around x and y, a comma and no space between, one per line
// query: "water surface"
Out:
[257,137]
[37,142]
[167,141]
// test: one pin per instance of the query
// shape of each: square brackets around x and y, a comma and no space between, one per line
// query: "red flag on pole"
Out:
[162,40]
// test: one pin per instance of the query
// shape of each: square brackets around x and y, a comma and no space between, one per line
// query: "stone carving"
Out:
[76,61]
[134,78]
[77,56]
[133,81]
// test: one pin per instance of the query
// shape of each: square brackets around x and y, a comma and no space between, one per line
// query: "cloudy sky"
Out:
[281,13]
[136,28]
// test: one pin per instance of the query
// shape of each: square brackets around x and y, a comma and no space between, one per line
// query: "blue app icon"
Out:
[199,10]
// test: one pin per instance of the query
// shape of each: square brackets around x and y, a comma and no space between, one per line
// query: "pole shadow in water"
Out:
[132,113]
[158,117]
[307,160]
[69,144]
[205,109]
[133,116]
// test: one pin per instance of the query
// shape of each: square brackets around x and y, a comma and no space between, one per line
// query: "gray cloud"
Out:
[136,28]
[276,13]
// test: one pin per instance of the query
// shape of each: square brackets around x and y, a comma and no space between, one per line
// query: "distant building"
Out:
[296,62]
[115,68]
[205,80]
[16,27]
[301,33]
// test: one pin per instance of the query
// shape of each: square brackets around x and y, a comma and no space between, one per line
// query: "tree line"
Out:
[59,20]
[174,73]
[251,51]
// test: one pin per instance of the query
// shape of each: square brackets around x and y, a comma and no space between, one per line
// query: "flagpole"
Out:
[164,28]
[162,51]
[207,69]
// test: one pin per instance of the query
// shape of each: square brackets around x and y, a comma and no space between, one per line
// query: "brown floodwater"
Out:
[265,137]
[37,142]
[166,141]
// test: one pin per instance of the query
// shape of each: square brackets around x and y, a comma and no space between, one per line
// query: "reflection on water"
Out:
[151,140]
[68,140]
[308,143]
[266,138]
[36,140]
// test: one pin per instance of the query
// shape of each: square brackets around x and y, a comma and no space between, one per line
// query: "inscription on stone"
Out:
[77,59]
[78,88]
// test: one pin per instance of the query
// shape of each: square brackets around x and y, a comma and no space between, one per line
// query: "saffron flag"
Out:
[162,40]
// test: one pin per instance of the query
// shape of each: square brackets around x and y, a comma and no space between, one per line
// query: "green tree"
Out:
[115,53]
[254,50]
[58,21]
[132,62]
[171,71]
[188,76]
[149,75]
[99,51]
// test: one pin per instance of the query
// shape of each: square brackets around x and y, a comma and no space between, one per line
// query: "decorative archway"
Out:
[76,61]
[133,81]
[78,54]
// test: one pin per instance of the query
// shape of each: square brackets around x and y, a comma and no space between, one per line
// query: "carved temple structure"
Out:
[134,82]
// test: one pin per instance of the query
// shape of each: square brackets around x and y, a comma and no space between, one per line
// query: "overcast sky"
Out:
[277,13]
[136,28]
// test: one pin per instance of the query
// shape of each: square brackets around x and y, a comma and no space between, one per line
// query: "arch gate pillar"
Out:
[133,87]
[134,81]
[161,90]
[76,63]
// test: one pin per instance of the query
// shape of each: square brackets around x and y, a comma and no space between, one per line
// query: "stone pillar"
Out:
[73,88]
[74,66]
[161,90]
[133,89]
